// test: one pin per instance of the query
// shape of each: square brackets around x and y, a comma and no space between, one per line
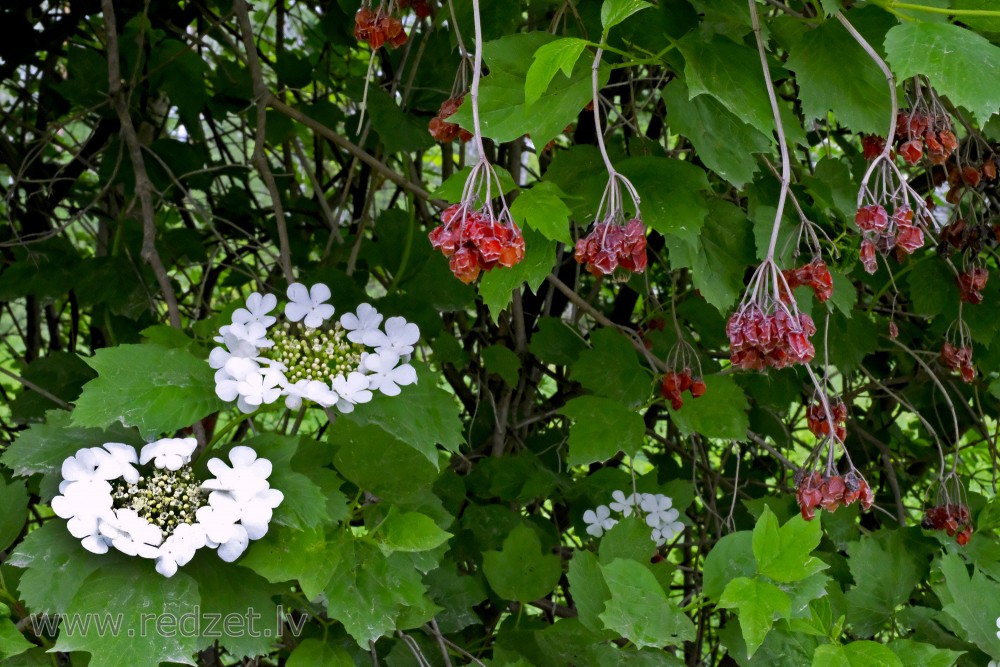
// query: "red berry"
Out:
[912,151]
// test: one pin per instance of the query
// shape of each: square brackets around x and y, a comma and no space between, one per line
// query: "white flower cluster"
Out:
[165,516]
[331,364]
[658,508]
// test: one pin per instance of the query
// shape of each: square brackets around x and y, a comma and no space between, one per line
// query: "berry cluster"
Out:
[610,246]
[919,131]
[820,426]
[378,27]
[760,340]
[475,242]
[952,518]
[677,382]
[884,232]
[830,492]
[963,236]
[958,359]
[964,176]
[444,131]
[971,283]
[815,274]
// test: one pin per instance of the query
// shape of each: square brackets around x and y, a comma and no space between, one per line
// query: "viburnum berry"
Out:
[759,340]
[819,424]
[989,169]
[378,27]
[911,151]
[421,8]
[953,518]
[829,492]
[815,275]
[872,146]
[444,131]
[958,358]
[970,284]
[885,232]
[610,246]
[676,382]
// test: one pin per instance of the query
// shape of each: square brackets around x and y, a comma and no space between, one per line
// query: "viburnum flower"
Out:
[310,357]
[624,504]
[599,520]
[164,514]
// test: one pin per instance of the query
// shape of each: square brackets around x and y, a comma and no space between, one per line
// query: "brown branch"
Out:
[143,186]
[262,97]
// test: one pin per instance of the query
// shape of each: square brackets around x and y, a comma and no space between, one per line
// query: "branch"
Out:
[143,186]
[262,95]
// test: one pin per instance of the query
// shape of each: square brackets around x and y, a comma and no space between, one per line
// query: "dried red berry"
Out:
[872,146]
[867,255]
[610,246]
[444,131]
[871,218]
[970,284]
[912,150]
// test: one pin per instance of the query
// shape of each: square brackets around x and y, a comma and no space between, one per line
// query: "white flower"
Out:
[252,333]
[254,512]
[258,389]
[228,378]
[998,625]
[235,348]
[258,307]
[352,390]
[599,521]
[245,479]
[88,464]
[362,324]
[179,548]
[308,305]
[131,534]
[624,504]
[387,376]
[125,456]
[659,510]
[84,503]
[169,453]
[400,336]
[222,531]
[313,390]
[992,663]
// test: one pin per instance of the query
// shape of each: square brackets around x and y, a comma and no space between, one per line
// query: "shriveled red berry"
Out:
[912,150]
[867,255]
[971,283]
[872,146]
[871,218]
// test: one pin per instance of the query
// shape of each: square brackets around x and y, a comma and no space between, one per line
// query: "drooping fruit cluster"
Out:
[829,492]
[967,237]
[378,27]
[610,246]
[919,132]
[953,518]
[475,242]
[815,274]
[444,131]
[759,340]
[677,382]
[971,283]
[820,425]
[958,358]
[883,233]
[422,8]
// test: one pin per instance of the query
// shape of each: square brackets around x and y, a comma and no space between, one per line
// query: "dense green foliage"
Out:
[446,525]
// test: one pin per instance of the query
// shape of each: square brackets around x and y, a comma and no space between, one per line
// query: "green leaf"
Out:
[730,558]
[783,553]
[720,413]
[724,142]
[520,571]
[719,257]
[561,54]
[855,654]
[959,63]
[156,389]
[369,591]
[398,130]
[610,368]
[630,539]
[639,610]
[316,653]
[614,12]
[378,462]
[451,190]
[932,288]
[680,209]
[912,652]
[439,422]
[503,114]
[730,73]
[411,531]
[601,428]
[586,585]
[14,501]
[458,593]
[501,360]
[757,603]
[287,554]
[498,285]
[542,208]
[146,607]
[556,342]
[834,73]
[12,642]
[55,567]
[886,566]
[973,602]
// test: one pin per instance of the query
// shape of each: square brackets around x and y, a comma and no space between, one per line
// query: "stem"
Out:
[477,72]
[889,79]
[597,113]
[943,10]
[786,165]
